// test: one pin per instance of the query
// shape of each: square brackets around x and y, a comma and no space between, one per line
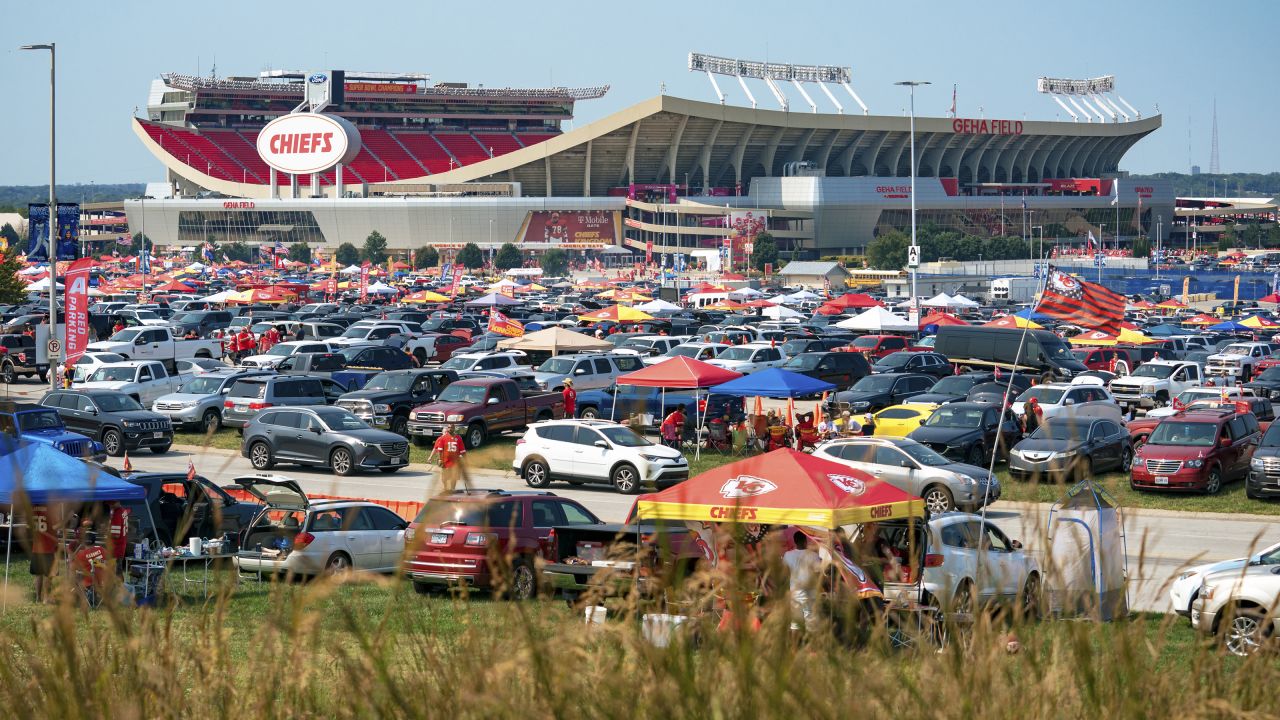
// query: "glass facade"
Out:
[249,226]
[1058,223]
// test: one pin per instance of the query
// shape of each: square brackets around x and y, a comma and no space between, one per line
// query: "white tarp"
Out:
[877,320]
[779,312]
[802,295]
[379,288]
[41,285]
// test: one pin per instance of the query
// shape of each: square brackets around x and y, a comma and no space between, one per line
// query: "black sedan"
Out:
[993,392]
[112,418]
[914,361]
[1071,448]
[324,436]
[968,432]
[954,388]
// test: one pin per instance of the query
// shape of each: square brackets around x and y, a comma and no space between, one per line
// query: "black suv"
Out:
[113,418]
[841,369]
[375,357]
[387,399]
[910,361]
[874,393]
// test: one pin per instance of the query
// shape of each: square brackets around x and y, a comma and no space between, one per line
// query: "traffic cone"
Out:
[128,466]
[791,411]
[759,407]
[817,413]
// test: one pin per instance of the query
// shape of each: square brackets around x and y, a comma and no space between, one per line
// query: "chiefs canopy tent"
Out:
[783,487]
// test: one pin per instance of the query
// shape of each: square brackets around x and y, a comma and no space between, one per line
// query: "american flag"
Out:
[1082,303]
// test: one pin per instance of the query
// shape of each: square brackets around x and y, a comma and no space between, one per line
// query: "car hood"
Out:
[135,415]
[977,473]
[661,451]
[1047,445]
[937,398]
[1226,356]
[1233,564]
[104,385]
[447,407]
[545,377]
[1134,381]
[373,396]
[944,435]
[182,397]
[1174,452]
[369,436]
[51,435]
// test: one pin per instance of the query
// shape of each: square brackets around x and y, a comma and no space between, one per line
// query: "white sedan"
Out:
[749,358]
[271,358]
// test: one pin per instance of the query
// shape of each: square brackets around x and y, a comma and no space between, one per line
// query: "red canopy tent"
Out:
[783,487]
[828,309]
[173,286]
[854,300]
[940,319]
[680,372]
[1272,298]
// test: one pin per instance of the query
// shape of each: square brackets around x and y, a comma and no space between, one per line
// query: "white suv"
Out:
[1239,604]
[750,358]
[595,451]
[1066,400]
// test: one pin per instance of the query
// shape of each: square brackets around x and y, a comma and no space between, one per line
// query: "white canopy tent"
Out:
[196,267]
[350,270]
[380,288]
[745,293]
[779,312]
[218,297]
[802,295]
[877,319]
[34,270]
[941,300]
[658,306]
[42,285]
[962,301]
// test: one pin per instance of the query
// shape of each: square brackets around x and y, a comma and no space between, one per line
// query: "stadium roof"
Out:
[666,139]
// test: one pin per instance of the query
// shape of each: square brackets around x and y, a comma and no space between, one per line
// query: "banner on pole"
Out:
[364,282]
[68,230]
[37,233]
[457,277]
[77,308]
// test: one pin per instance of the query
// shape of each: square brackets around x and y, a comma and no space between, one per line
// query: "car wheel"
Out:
[1244,632]
[1213,483]
[524,583]
[113,442]
[162,449]
[400,425]
[589,413]
[341,462]
[7,374]
[976,456]
[212,421]
[1162,400]
[260,456]
[962,601]
[937,499]
[422,588]
[475,436]
[1031,607]
[339,563]
[1126,459]
[1250,494]
[537,474]
[626,479]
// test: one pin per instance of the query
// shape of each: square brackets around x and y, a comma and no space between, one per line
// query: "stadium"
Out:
[447,163]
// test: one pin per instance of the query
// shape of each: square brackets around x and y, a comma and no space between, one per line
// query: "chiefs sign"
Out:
[746,486]
[304,143]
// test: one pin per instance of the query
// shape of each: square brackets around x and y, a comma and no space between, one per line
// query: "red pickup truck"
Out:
[878,346]
[481,407]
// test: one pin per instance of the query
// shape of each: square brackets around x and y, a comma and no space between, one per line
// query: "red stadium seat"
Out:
[427,151]
[499,143]
[463,147]
[396,158]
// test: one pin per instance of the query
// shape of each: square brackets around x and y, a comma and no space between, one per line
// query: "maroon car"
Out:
[1196,450]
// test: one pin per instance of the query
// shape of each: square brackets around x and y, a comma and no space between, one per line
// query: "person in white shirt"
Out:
[804,566]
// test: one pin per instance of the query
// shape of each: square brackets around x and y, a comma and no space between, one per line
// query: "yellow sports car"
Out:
[900,420]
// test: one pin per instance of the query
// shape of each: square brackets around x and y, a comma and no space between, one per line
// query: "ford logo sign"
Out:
[317,78]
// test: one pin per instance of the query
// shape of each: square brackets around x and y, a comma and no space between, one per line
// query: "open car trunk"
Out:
[284,508]
[909,538]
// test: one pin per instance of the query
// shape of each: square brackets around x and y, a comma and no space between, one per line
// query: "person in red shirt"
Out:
[451,449]
[570,399]
[90,565]
[117,327]
[118,527]
[270,338]
[44,547]
[245,344]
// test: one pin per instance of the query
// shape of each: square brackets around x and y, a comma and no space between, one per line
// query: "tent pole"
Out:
[8,552]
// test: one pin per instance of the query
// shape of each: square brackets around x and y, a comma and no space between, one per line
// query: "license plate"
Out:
[439,538]
[157,435]
[241,408]
[1161,480]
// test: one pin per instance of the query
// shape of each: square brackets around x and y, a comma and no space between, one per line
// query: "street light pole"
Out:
[914,253]
[53,208]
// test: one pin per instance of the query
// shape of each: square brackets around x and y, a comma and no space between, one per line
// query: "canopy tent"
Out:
[802,295]
[424,296]
[555,340]
[783,487]
[941,300]
[218,297]
[1094,338]
[380,288]
[780,312]
[1272,298]
[1166,330]
[270,296]
[1031,314]
[679,372]
[1171,304]
[350,270]
[1200,319]
[859,301]
[1133,337]
[939,319]
[1140,305]
[1226,326]
[491,300]
[173,286]
[658,306]
[1013,321]
[773,383]
[877,319]
[826,309]
[1257,322]
[617,313]
[962,301]
[745,293]
[42,285]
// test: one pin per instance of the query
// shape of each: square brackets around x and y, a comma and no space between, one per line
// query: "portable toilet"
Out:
[1087,554]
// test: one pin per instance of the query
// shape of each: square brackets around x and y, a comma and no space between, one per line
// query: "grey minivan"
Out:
[252,395]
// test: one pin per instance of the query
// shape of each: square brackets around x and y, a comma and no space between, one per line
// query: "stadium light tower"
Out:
[53,209]
[914,252]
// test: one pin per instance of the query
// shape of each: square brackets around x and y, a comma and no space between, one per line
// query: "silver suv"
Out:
[250,396]
[913,467]
[199,401]
[589,371]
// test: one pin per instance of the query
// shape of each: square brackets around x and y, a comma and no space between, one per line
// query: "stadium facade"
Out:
[446,164]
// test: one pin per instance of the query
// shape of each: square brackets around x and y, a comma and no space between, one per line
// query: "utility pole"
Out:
[54,374]
[914,253]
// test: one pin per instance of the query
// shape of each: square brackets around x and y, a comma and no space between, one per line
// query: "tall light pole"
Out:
[913,255]
[53,209]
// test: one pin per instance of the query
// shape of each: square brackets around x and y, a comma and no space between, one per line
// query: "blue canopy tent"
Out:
[491,300]
[773,383]
[1229,326]
[1031,314]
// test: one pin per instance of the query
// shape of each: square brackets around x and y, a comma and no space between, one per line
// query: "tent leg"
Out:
[8,552]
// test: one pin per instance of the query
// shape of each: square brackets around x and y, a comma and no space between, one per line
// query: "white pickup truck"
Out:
[401,335]
[157,343]
[1155,383]
[1237,360]
[145,380]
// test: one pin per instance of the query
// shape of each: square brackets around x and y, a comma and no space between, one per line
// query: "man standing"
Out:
[451,449]
[245,344]
[570,399]
[44,547]
[118,532]
[804,566]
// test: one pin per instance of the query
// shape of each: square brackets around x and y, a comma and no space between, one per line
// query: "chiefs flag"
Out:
[500,324]
[1082,303]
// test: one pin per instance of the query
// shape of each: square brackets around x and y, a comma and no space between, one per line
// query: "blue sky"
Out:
[110,51]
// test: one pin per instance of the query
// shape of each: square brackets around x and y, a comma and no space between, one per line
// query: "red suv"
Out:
[1196,450]
[455,538]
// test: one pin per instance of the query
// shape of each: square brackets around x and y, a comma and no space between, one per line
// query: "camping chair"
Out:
[718,437]
[778,437]
[743,438]
[807,437]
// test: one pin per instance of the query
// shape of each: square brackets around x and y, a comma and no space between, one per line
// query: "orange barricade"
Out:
[407,509]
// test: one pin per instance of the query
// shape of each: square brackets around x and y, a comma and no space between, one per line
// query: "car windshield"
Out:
[896,359]
[100,358]
[459,363]
[190,317]
[39,420]
[624,437]
[203,385]
[794,347]
[282,350]
[1179,432]
[116,403]
[356,332]
[690,351]
[737,353]
[557,366]
[112,374]
[947,416]
[954,385]
[1236,350]
[1058,351]
[1153,371]
[803,361]
[866,342]
[342,421]
[1061,429]
[441,512]
[874,383]
[125,335]
[395,382]
[1043,395]
[145,315]
[923,455]
[468,394]
[433,324]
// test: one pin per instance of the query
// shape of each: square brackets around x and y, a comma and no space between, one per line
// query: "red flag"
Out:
[502,325]
[127,466]
[77,308]
[191,471]
[1082,303]
[457,277]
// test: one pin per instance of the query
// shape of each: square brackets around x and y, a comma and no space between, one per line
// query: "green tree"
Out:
[555,262]
[346,254]
[764,251]
[1141,247]
[1007,248]
[427,256]
[889,251]
[470,256]
[135,246]
[12,289]
[509,256]
[375,248]
[300,252]
[238,251]
[1226,240]
[10,235]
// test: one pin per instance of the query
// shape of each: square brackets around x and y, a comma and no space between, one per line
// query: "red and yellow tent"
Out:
[783,487]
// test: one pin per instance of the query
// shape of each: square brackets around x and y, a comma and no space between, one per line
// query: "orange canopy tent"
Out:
[940,319]
[783,487]
[173,286]
[1202,319]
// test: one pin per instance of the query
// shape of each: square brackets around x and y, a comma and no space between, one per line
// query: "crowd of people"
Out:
[761,432]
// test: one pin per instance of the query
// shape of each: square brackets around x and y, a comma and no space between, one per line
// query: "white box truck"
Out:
[1015,289]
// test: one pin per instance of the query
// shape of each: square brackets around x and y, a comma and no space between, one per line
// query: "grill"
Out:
[168,406]
[1271,469]
[355,406]
[393,449]
[1163,467]
[429,416]
[74,448]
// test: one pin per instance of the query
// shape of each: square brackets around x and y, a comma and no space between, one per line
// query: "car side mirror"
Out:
[491,401]
[1016,545]
[314,429]
[1068,401]
[93,411]
[602,444]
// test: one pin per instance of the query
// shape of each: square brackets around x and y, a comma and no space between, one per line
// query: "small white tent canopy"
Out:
[1087,554]
[876,320]
[941,300]
[42,285]
[218,297]
[778,312]
[802,295]
[962,301]
[658,306]
[745,293]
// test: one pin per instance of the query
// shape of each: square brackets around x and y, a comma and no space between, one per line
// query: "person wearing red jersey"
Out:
[118,529]
[44,548]
[244,344]
[570,399]
[90,565]
[451,449]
